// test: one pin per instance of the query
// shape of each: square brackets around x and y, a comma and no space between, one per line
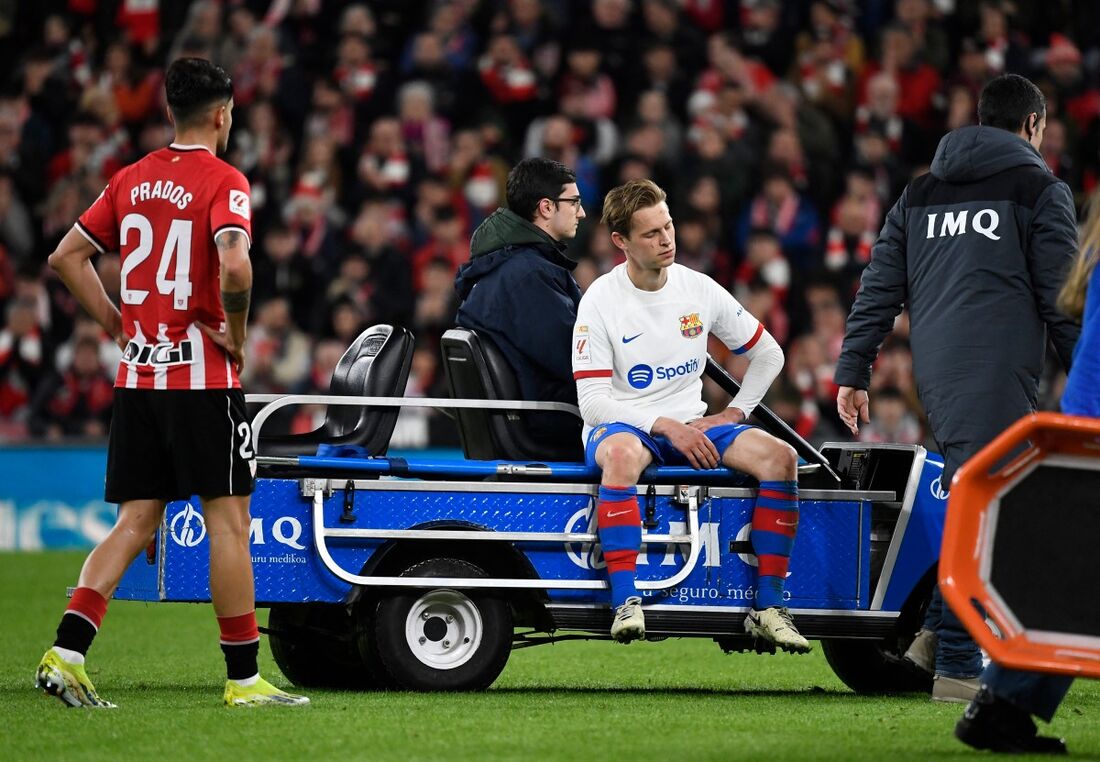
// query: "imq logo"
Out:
[188,528]
[984,222]
[937,490]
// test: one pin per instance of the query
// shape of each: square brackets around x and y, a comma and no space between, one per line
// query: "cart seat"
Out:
[476,369]
[375,365]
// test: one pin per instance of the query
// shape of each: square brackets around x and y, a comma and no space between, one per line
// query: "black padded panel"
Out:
[476,369]
[375,365]
[1045,562]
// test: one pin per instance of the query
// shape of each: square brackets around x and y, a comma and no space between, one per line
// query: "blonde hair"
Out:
[1071,300]
[620,204]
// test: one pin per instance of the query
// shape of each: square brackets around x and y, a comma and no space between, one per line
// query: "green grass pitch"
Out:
[673,701]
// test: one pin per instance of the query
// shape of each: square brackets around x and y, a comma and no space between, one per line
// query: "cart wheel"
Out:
[869,666]
[439,639]
[314,646]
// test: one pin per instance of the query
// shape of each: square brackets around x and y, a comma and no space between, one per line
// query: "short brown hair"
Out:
[620,203]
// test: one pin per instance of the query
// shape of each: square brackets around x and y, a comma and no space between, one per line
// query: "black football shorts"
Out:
[168,444]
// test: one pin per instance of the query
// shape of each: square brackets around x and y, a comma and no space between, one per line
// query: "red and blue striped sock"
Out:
[774,524]
[620,530]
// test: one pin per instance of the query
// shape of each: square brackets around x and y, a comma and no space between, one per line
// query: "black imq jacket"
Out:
[518,290]
[978,250]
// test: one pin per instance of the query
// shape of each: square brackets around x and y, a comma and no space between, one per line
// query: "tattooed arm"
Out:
[236,286]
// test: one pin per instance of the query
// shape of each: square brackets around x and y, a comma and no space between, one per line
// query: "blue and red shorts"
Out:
[664,454]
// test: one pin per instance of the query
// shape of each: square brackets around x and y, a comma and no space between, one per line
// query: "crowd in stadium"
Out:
[377,136]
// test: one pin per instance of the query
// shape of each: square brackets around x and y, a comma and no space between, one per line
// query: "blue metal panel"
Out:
[828,568]
[139,583]
[920,548]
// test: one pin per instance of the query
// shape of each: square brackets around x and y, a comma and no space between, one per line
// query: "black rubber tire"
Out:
[866,666]
[407,671]
[314,645]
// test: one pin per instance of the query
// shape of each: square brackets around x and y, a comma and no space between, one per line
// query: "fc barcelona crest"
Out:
[690,325]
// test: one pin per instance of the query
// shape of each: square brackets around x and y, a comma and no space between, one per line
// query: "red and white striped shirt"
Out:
[163,214]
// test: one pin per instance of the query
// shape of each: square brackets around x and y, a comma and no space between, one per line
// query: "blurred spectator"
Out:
[830,56]
[448,245]
[307,216]
[85,328]
[385,166]
[281,270]
[426,134]
[437,303]
[780,209]
[664,26]
[1077,96]
[509,80]
[891,420]
[763,35]
[917,81]
[23,359]
[880,114]
[917,17]
[387,286]
[16,231]
[479,177]
[20,160]
[75,402]
[1005,50]
[330,115]
[613,27]
[697,249]
[278,353]
[136,92]
[553,138]
[848,243]
[764,262]
[1056,153]
[240,23]
[583,78]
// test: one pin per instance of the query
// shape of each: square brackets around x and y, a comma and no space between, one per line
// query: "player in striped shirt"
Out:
[639,349]
[180,220]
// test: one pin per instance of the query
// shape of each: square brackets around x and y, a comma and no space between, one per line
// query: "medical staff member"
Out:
[977,250]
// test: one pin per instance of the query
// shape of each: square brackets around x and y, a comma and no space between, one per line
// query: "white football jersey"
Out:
[653,344]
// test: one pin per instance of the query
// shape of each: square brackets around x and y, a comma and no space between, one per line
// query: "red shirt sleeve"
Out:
[231,208]
[99,223]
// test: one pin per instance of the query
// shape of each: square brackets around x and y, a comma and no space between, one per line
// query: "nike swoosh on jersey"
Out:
[611,514]
[627,341]
[783,523]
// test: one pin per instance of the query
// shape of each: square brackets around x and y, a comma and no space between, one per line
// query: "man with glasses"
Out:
[518,290]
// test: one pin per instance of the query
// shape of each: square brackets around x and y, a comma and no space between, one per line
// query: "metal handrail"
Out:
[278,401]
[321,534]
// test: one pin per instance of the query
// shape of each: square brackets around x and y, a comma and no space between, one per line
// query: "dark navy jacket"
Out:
[978,250]
[518,290]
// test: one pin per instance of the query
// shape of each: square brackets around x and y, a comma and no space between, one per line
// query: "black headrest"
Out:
[375,365]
